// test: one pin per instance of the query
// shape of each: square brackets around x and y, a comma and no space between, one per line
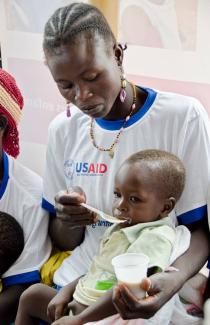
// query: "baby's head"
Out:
[11,241]
[147,186]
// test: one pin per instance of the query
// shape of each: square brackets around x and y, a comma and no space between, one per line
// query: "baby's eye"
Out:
[134,199]
[116,194]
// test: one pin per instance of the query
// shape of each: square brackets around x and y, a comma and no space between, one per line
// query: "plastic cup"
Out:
[130,269]
[206,320]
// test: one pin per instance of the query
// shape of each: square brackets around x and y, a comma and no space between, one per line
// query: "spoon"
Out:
[103,215]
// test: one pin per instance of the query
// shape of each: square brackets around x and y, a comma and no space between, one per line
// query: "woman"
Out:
[111,119]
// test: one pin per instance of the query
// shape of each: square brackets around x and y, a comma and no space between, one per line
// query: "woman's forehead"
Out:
[81,55]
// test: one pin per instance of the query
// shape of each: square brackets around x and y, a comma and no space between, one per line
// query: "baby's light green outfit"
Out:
[154,239]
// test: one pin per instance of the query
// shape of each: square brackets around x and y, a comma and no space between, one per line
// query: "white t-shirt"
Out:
[20,196]
[166,121]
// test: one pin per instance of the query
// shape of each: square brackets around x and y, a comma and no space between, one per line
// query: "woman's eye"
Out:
[66,87]
[91,77]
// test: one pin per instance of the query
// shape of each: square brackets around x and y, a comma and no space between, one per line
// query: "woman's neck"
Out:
[121,110]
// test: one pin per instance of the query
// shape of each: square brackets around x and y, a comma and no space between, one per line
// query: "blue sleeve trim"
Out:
[208,264]
[48,206]
[28,277]
[6,174]
[192,216]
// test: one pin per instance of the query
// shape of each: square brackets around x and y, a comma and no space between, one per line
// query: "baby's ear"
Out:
[168,206]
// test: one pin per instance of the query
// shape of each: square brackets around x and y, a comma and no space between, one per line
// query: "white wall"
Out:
[21,26]
[168,48]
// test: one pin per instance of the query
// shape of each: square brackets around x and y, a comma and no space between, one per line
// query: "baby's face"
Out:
[135,198]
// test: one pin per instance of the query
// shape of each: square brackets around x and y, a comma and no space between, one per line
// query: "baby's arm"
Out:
[101,309]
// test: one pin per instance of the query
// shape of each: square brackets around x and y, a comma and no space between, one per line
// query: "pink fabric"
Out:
[117,320]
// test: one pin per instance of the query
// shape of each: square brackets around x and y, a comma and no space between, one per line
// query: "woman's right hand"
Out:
[69,210]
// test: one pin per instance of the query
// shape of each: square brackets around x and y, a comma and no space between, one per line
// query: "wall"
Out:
[168,48]
[167,45]
[21,27]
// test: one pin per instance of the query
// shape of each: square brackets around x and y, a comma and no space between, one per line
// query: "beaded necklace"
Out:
[110,150]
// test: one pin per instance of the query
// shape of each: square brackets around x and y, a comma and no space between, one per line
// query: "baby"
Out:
[147,186]
[11,241]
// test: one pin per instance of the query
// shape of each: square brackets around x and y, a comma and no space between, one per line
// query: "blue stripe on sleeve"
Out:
[192,216]
[6,174]
[48,206]
[29,277]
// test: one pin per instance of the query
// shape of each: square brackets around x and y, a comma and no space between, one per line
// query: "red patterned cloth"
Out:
[11,104]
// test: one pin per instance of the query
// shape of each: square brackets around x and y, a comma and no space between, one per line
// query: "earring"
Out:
[123,86]
[68,110]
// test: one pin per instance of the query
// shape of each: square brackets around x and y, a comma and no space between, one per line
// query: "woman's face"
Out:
[87,75]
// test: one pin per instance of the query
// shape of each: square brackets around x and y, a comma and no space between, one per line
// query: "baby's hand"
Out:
[67,320]
[57,307]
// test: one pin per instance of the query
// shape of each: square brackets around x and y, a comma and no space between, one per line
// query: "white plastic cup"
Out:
[130,269]
[206,320]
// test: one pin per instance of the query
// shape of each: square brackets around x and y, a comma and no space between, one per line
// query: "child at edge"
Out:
[20,196]
[11,241]
[147,187]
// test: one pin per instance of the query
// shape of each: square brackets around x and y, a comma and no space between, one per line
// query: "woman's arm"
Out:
[63,235]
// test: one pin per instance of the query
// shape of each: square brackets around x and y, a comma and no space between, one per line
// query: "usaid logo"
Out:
[72,168]
[69,169]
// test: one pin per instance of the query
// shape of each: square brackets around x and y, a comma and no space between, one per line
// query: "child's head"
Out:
[11,104]
[148,185]
[84,58]
[11,241]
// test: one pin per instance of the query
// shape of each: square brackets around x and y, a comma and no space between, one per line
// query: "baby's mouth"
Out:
[128,220]
[119,215]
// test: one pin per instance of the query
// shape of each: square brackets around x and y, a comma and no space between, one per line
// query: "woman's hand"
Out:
[160,288]
[69,210]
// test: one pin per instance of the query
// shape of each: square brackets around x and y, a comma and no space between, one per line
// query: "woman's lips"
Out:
[93,110]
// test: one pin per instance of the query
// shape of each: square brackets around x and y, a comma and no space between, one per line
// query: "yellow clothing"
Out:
[48,269]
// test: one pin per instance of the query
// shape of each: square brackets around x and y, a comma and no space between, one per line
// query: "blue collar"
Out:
[116,125]
[5,179]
